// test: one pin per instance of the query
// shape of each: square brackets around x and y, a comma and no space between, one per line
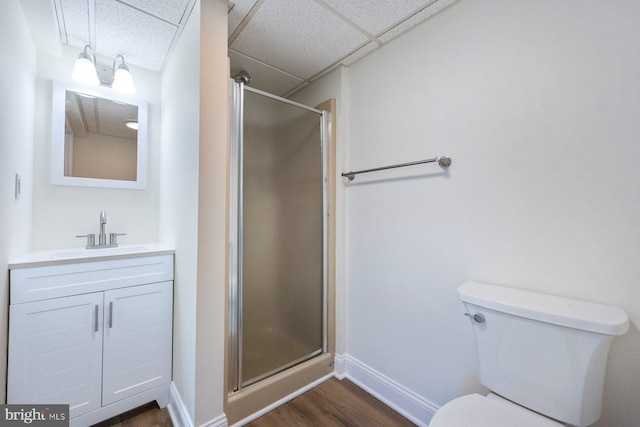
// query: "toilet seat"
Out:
[490,411]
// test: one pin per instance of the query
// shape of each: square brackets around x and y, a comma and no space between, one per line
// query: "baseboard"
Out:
[220,421]
[404,401]
[415,408]
[340,366]
[180,416]
[177,411]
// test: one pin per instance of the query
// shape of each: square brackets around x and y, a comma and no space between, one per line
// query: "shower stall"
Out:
[278,284]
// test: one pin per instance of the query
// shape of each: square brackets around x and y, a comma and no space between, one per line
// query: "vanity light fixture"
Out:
[84,70]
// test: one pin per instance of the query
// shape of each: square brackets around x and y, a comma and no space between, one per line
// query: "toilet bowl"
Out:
[488,411]
[543,358]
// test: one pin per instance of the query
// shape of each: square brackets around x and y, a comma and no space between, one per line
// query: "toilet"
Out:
[542,357]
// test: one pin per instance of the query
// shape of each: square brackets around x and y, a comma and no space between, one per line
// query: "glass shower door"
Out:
[280,221]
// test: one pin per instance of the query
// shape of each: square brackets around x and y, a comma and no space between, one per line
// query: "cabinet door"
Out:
[137,340]
[55,352]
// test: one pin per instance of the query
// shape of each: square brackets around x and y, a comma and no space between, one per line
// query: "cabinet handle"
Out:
[95,318]
[110,314]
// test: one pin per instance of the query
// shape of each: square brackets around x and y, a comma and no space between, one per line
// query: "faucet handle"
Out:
[113,238]
[91,240]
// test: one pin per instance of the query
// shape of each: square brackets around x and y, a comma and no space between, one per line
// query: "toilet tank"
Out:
[544,352]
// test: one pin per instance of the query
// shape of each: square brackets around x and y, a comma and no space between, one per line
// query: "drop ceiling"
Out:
[286,44]
[143,31]
[283,44]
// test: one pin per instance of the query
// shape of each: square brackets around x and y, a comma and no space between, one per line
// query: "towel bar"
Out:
[443,161]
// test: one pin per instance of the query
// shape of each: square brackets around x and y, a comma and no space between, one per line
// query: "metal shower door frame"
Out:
[235,226]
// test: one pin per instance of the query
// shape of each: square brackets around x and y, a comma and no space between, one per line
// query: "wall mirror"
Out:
[99,138]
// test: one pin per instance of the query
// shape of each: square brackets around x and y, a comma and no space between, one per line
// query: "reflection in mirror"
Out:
[98,138]
[98,143]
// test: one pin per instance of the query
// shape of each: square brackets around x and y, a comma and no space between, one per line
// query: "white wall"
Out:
[61,212]
[193,206]
[17,97]
[179,195]
[537,103]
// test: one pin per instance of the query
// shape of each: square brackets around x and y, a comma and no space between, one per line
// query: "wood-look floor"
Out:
[333,403]
[149,415]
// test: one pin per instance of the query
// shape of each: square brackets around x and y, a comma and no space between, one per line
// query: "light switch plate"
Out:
[17,186]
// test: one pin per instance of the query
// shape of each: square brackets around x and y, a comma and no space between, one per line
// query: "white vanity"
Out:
[92,329]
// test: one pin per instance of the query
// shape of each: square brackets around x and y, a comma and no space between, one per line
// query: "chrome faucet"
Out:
[102,237]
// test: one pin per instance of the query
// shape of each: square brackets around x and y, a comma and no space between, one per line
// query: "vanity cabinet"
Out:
[95,335]
[55,353]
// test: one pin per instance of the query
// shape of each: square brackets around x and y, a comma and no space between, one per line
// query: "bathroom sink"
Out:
[65,256]
[92,253]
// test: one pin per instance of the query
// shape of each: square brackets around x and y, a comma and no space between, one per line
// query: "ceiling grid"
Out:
[264,35]
[283,44]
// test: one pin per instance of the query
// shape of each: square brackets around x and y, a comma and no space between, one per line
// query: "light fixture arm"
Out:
[123,65]
[91,57]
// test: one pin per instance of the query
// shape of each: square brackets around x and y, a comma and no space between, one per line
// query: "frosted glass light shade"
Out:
[84,71]
[123,81]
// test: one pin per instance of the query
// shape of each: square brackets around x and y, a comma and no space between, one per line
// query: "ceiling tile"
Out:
[264,77]
[415,20]
[140,38]
[375,16]
[170,11]
[299,36]
[240,9]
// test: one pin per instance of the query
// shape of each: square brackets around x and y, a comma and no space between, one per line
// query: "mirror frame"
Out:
[57,137]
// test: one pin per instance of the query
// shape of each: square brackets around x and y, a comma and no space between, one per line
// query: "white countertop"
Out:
[69,256]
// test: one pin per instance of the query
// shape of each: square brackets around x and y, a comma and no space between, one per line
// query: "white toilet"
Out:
[543,358]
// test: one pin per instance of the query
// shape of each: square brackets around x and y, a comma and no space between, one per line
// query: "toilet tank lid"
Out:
[588,316]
